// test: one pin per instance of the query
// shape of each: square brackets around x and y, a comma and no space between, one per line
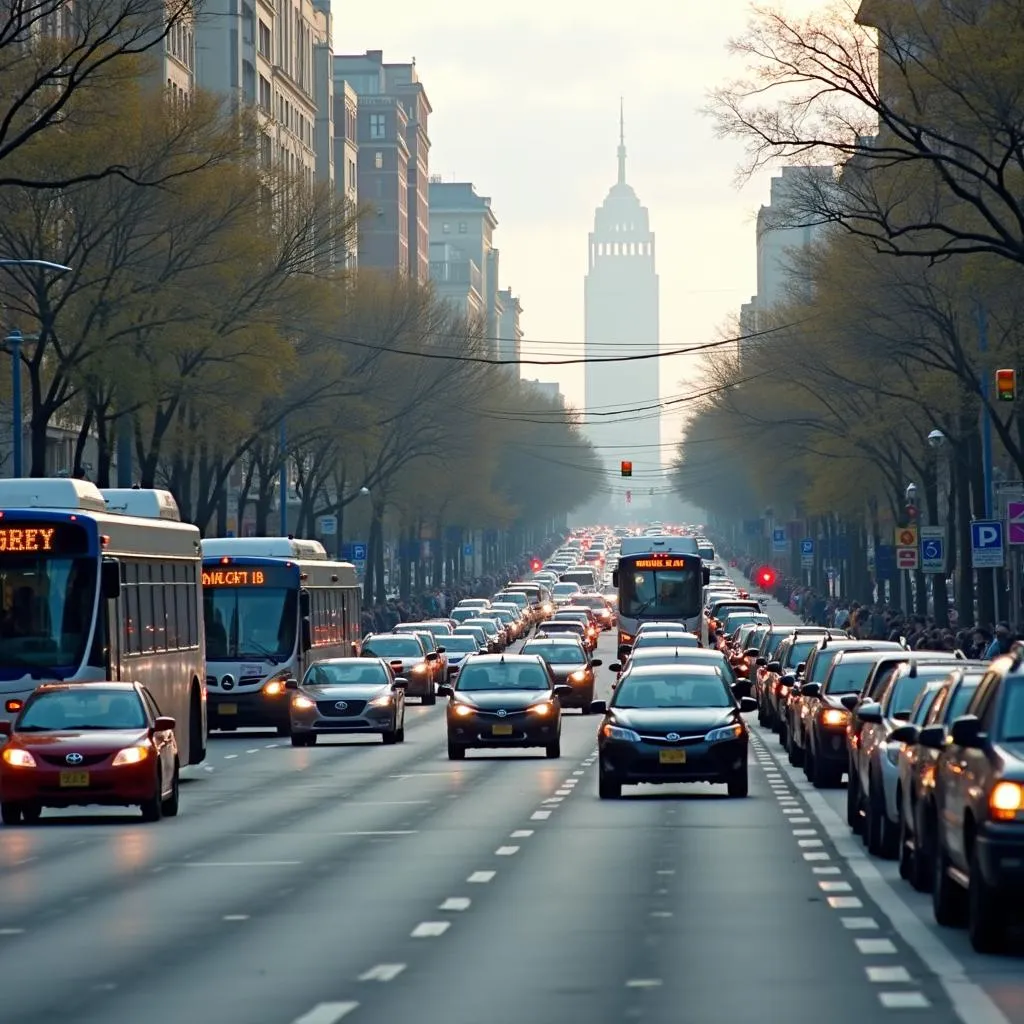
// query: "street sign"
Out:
[885,561]
[906,558]
[1015,522]
[987,543]
[906,536]
[328,525]
[807,546]
[807,561]
[467,550]
[779,542]
[906,547]
[358,552]
[933,548]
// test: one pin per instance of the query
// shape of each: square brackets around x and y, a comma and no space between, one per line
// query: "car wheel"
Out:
[430,697]
[921,872]
[986,922]
[949,901]
[152,809]
[853,818]
[389,737]
[400,734]
[796,752]
[821,774]
[739,784]
[906,856]
[783,738]
[170,805]
[608,789]
[31,813]
[587,698]
[455,752]
[554,749]
[284,730]
[10,812]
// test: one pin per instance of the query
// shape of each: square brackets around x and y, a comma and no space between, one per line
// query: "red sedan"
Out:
[80,744]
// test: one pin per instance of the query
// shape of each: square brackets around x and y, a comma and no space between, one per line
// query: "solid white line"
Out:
[874,947]
[845,903]
[430,929]
[835,887]
[887,975]
[456,903]
[481,876]
[903,1000]
[540,815]
[382,972]
[326,1013]
[521,833]
[860,924]
[235,917]
[506,851]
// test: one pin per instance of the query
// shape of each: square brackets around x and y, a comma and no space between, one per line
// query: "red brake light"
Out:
[766,576]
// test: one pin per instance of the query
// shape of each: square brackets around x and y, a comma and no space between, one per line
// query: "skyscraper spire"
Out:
[622,142]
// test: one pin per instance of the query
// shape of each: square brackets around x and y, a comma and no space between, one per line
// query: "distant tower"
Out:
[621,297]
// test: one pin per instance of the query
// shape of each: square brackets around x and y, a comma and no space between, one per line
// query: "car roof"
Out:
[662,652]
[569,638]
[690,669]
[102,684]
[664,634]
[501,659]
[346,661]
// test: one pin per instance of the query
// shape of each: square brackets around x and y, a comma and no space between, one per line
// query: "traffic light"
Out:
[629,497]
[766,577]
[536,565]
[627,468]
[1006,386]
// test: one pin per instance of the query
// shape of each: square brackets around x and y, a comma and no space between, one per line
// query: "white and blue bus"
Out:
[101,585]
[272,606]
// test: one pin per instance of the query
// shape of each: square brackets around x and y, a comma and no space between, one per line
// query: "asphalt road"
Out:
[383,884]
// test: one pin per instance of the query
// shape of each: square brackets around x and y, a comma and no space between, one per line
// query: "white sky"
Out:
[526,106]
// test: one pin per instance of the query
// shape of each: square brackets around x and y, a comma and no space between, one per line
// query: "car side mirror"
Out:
[966,731]
[624,651]
[849,701]
[801,667]
[400,683]
[291,684]
[616,666]
[432,656]
[811,689]
[561,690]
[163,724]
[774,666]
[904,734]
[307,633]
[598,707]
[110,578]
[442,650]
[932,736]
[444,690]
[870,712]
[902,716]
[5,728]
[747,704]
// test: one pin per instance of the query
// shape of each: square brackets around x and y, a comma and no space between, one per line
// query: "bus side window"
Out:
[182,593]
[193,625]
[159,612]
[131,642]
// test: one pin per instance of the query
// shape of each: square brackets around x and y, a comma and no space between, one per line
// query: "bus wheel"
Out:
[196,737]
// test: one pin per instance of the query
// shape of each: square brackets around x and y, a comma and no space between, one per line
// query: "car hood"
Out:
[494,700]
[350,691]
[83,741]
[687,721]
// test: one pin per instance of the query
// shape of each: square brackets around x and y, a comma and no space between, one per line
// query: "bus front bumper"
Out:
[247,709]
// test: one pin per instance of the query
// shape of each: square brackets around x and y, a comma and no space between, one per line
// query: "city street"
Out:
[380,884]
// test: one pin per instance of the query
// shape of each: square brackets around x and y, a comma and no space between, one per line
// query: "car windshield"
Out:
[771,644]
[487,625]
[81,708]
[672,691]
[509,675]
[346,673]
[563,626]
[700,656]
[573,617]
[961,698]
[561,589]
[591,601]
[475,632]
[669,640]
[461,644]
[904,692]
[558,654]
[848,677]
[461,614]
[393,647]
[438,629]
[1012,725]
[822,663]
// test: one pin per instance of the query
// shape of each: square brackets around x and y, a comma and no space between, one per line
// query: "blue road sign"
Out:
[987,543]
[779,542]
[885,561]
[358,552]
[807,546]
[467,550]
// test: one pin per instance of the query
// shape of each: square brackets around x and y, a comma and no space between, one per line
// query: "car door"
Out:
[162,740]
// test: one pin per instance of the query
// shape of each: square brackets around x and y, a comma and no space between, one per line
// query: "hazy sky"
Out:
[526,106]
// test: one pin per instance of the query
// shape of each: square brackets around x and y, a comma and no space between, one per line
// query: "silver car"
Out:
[347,696]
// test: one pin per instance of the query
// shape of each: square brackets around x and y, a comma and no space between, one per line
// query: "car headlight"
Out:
[383,701]
[617,732]
[463,710]
[303,703]
[727,732]
[17,758]
[542,709]
[578,676]
[1006,800]
[835,717]
[131,755]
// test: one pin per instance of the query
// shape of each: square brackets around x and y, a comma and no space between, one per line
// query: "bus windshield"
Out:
[245,623]
[46,612]
[659,593]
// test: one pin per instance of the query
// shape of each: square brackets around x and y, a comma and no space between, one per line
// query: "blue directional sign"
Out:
[987,549]
[467,550]
[807,546]
[933,549]
[885,561]
[779,542]
[358,552]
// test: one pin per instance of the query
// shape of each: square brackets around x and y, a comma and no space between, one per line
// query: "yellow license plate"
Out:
[227,709]
[501,730]
[672,756]
[76,779]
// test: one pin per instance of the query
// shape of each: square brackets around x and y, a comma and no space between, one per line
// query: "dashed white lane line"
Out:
[835,887]
[456,903]
[562,792]
[799,821]
[845,903]
[235,917]
[790,810]
[816,856]
[228,757]
[809,844]
[827,871]
[326,1013]
[578,772]
[480,877]
[506,851]
[643,983]
[805,832]
[904,1000]
[240,863]
[875,947]
[553,800]
[254,750]
[860,924]
[521,833]
[540,815]
[887,975]
[12,931]
[430,929]
[382,972]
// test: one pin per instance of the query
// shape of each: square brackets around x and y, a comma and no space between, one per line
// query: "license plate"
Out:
[672,756]
[501,730]
[76,779]
[227,709]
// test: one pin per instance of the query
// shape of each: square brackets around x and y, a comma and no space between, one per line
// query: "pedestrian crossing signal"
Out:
[1006,386]
[766,577]
[627,468]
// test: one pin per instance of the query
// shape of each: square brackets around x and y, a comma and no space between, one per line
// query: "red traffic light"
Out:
[766,577]
[535,564]
[1006,385]
[626,468]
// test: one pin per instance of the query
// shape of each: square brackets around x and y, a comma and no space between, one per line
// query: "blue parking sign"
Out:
[987,550]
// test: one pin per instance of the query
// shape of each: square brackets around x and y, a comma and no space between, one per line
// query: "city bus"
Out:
[660,582]
[272,606]
[99,585]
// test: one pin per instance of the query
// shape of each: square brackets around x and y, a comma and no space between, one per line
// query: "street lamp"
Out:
[936,439]
[911,493]
[13,344]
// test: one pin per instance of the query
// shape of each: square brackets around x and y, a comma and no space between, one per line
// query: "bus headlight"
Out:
[274,688]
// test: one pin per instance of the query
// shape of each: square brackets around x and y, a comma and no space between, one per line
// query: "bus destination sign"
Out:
[27,538]
[660,562]
[234,578]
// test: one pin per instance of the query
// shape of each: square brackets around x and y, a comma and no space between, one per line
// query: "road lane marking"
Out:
[887,975]
[12,931]
[816,856]
[521,833]
[661,913]
[254,750]
[481,876]
[578,772]
[240,863]
[228,757]
[553,800]
[875,947]
[643,983]
[860,924]
[506,851]
[390,832]
[809,844]
[827,871]
[382,972]
[326,1013]
[540,815]
[835,887]
[385,803]
[456,903]
[799,821]
[235,917]
[666,872]
[430,929]
[845,903]
[903,1000]
[562,792]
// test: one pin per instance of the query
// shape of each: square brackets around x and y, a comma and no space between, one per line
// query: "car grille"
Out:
[662,740]
[244,681]
[87,760]
[509,716]
[328,710]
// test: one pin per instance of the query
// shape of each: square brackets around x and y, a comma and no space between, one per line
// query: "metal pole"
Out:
[14,340]
[125,453]
[986,442]
[283,484]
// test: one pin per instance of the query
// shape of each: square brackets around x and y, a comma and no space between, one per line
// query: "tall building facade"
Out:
[621,295]
[510,332]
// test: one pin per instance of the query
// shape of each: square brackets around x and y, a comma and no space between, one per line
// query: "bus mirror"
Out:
[305,605]
[615,578]
[110,579]
[307,633]
[706,574]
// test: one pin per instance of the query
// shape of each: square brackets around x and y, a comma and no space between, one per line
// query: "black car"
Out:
[670,724]
[506,700]
[570,663]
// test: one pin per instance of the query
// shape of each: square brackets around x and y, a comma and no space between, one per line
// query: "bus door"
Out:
[112,615]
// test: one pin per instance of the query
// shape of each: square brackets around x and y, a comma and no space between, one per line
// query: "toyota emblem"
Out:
[341,706]
[673,736]
[74,759]
[502,714]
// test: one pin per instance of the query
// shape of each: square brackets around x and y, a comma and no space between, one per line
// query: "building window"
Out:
[378,160]
[376,126]
[264,39]
[462,227]
[265,96]
[446,228]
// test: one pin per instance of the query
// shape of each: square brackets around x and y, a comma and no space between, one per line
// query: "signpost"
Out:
[358,552]
[906,547]
[987,550]
[1015,522]
[328,526]
[779,542]
[807,553]
[933,548]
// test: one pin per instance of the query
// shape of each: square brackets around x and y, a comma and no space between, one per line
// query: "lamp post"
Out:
[13,344]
